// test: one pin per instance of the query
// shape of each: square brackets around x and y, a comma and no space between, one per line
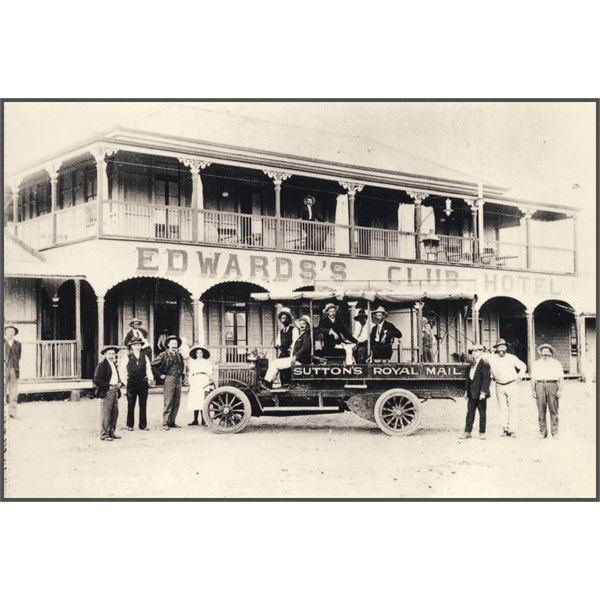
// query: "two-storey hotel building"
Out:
[180,220]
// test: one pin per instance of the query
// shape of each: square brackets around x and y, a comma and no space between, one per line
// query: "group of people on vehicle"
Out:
[294,343]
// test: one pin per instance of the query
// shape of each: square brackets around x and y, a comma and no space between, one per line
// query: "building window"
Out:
[234,325]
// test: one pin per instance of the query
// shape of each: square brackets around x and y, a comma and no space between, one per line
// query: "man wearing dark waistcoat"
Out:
[108,387]
[12,358]
[170,367]
[135,373]
[286,337]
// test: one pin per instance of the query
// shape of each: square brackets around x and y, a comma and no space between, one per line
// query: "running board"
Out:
[298,408]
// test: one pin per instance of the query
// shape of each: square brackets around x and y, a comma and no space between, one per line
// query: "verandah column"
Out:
[197,203]
[100,155]
[352,189]
[418,198]
[199,334]
[15,184]
[527,214]
[78,327]
[53,172]
[530,339]
[419,309]
[277,178]
[581,349]
[100,303]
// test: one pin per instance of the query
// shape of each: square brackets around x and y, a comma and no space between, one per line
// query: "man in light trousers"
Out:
[546,387]
[506,370]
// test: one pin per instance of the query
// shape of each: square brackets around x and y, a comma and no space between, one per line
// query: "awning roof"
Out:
[370,295]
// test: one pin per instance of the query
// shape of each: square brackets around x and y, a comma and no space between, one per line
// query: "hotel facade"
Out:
[179,220]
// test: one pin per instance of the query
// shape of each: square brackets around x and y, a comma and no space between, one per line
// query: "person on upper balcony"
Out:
[334,332]
[313,234]
[384,335]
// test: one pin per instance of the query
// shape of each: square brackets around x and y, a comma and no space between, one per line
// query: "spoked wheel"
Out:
[398,412]
[227,410]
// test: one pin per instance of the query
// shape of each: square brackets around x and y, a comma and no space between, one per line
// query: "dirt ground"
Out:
[54,451]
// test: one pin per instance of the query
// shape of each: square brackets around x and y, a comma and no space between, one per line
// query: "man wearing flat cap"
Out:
[506,369]
[170,369]
[383,334]
[108,387]
[285,340]
[12,359]
[477,391]
[546,387]
[334,332]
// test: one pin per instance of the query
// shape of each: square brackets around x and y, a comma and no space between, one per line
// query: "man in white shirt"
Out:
[506,369]
[546,386]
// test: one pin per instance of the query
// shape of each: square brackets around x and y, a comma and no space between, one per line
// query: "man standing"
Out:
[170,367]
[313,232]
[333,332]
[477,391]
[135,373]
[108,386]
[506,369]
[136,331]
[427,342]
[360,352]
[546,386]
[383,334]
[12,358]
[285,340]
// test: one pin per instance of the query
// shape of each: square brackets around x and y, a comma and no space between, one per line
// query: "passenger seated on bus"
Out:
[301,353]
[359,351]
[334,332]
[284,341]
[383,335]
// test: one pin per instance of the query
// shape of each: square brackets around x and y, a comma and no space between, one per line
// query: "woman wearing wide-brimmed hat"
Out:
[201,377]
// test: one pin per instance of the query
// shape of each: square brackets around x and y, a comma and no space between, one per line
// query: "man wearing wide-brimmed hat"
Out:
[170,368]
[285,339]
[506,369]
[136,331]
[477,391]
[12,358]
[546,385]
[108,387]
[136,374]
[334,332]
[301,353]
[383,334]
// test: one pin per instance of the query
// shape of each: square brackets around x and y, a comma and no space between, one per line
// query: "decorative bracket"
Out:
[418,197]
[351,187]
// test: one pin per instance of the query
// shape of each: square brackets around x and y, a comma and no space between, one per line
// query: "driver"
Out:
[301,353]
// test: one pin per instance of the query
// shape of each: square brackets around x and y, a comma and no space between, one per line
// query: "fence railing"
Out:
[53,359]
[37,232]
[147,221]
[384,243]
[239,354]
[503,255]
[452,249]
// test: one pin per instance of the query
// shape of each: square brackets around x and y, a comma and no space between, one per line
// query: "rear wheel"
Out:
[398,412]
[227,410]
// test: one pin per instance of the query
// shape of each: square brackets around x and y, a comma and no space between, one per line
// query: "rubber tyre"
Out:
[398,412]
[227,410]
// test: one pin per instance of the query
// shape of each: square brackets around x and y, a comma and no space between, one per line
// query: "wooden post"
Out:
[100,302]
[527,215]
[530,340]
[151,332]
[419,308]
[277,178]
[475,321]
[418,198]
[78,326]
[581,349]
[199,336]
[53,199]
[352,189]
[575,257]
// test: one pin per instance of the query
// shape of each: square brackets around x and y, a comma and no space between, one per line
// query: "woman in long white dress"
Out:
[200,376]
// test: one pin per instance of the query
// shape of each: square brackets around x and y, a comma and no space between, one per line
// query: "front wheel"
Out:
[398,412]
[227,410]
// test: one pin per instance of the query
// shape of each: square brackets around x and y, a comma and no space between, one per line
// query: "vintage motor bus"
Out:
[390,393]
